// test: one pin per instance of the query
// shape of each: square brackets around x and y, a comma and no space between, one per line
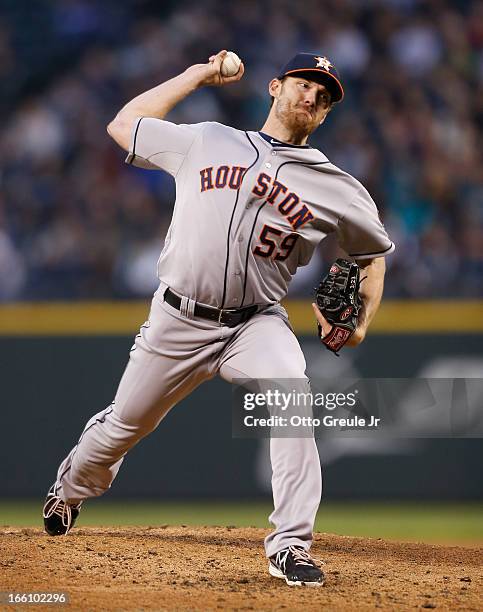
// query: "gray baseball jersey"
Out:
[249,210]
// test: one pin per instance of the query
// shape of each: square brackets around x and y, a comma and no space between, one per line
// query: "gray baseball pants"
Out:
[172,355]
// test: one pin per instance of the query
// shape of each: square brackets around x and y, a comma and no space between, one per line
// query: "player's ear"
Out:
[274,87]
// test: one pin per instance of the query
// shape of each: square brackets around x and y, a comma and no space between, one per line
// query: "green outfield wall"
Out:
[61,363]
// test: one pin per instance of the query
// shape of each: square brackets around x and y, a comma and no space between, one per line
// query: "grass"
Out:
[446,523]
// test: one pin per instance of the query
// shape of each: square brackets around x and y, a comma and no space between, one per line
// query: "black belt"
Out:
[230,317]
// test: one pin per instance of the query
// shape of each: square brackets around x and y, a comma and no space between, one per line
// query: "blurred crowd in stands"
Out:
[76,222]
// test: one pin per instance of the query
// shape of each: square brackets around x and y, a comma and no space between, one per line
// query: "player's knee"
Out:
[135,425]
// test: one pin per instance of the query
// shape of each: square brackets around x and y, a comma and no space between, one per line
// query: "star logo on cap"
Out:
[323,62]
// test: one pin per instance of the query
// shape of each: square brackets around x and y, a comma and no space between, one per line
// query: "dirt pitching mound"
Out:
[223,568]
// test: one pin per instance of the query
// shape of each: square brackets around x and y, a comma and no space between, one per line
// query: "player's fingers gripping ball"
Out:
[339,301]
[230,64]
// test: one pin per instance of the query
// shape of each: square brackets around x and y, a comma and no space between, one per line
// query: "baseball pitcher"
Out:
[251,206]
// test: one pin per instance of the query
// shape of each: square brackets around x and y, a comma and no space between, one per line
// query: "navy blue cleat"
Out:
[59,517]
[297,567]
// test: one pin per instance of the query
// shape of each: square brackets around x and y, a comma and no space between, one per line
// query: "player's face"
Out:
[301,105]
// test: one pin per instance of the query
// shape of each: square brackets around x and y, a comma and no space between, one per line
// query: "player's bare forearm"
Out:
[372,271]
[158,101]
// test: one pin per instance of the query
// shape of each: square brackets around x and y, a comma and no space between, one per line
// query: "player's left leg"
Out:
[266,348]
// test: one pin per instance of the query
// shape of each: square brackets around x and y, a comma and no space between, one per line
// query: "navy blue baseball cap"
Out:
[316,68]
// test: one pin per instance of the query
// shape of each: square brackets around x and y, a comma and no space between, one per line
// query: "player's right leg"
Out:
[171,357]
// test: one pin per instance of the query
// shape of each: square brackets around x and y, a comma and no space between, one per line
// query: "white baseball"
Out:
[230,64]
